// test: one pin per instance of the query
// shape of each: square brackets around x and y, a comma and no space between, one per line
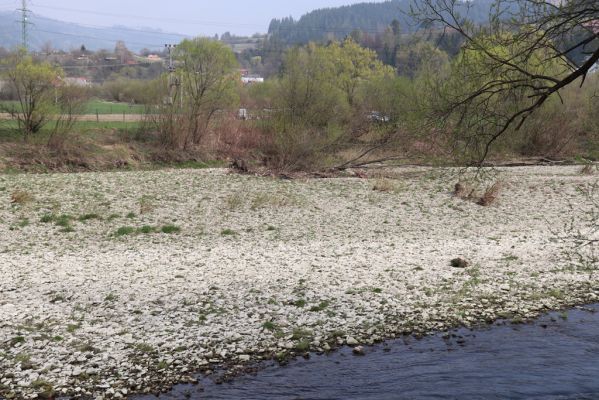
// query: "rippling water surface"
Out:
[557,357]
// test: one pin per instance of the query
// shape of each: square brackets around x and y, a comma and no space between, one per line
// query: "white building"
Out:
[251,79]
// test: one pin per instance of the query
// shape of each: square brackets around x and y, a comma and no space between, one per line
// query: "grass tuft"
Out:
[383,185]
[88,217]
[146,229]
[170,229]
[124,231]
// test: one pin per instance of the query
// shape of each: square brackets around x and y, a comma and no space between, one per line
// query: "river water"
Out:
[556,357]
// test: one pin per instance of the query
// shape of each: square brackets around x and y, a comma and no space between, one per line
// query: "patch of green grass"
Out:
[111,297]
[147,229]
[144,348]
[146,205]
[46,388]
[124,231]
[130,215]
[235,201]
[23,357]
[16,340]
[564,315]
[88,217]
[320,307]
[87,348]
[269,326]
[73,327]
[300,303]
[299,333]
[303,345]
[228,232]
[557,294]
[170,229]
[64,220]
[47,218]
[104,107]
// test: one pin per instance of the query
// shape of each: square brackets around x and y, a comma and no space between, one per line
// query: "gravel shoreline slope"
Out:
[117,283]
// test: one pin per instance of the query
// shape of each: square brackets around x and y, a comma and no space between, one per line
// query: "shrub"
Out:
[383,185]
[490,195]
[21,197]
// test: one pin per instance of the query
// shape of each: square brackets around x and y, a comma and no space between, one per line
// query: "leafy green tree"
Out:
[206,80]
[35,88]
[417,55]
[319,101]
[353,65]
[521,58]
[480,100]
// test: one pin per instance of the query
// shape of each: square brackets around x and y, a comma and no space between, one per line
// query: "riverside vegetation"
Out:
[330,107]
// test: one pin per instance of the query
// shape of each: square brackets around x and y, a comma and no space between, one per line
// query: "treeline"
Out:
[331,105]
[372,18]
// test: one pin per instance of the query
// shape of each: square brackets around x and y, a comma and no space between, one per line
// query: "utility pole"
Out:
[24,24]
[173,81]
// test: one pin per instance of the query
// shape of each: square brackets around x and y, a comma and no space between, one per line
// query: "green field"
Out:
[106,107]
[94,107]
[9,129]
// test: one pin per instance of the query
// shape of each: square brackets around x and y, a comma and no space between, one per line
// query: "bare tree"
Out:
[526,54]
[70,103]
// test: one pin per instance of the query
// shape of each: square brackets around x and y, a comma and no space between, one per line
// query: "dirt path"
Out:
[96,118]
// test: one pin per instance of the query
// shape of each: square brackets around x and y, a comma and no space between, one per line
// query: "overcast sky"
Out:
[181,16]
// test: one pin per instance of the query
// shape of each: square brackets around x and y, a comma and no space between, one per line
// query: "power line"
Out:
[175,20]
[154,45]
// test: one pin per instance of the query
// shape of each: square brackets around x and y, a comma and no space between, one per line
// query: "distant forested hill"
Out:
[66,36]
[329,23]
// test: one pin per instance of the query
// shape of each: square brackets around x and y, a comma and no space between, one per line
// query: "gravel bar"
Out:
[129,282]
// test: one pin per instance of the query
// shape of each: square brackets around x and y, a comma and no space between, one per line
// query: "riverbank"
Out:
[129,282]
[553,357]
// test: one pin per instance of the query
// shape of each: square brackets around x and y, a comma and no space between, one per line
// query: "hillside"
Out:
[328,23]
[65,35]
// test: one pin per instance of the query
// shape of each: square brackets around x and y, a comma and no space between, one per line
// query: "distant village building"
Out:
[248,80]
[77,81]
[154,58]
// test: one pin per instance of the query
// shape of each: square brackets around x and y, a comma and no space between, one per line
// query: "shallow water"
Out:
[553,358]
